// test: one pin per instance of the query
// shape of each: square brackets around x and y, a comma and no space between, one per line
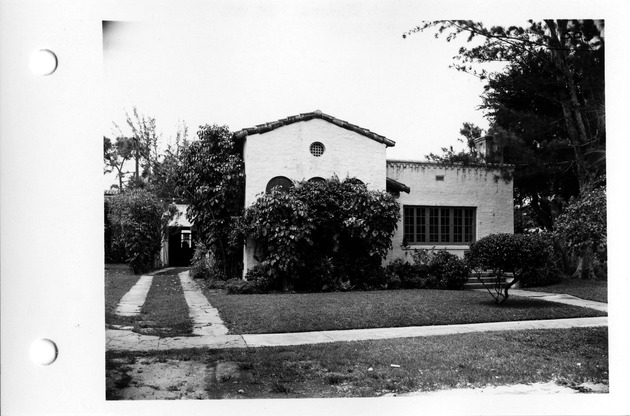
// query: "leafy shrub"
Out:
[200,265]
[142,219]
[583,223]
[451,271]
[429,270]
[583,227]
[402,274]
[331,235]
[241,287]
[393,281]
[114,244]
[215,284]
[263,278]
[525,255]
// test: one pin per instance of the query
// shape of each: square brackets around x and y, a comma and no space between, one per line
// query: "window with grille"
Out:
[439,225]
[317,149]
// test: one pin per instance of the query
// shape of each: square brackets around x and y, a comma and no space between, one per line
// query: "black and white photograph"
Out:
[307,204]
[353,205]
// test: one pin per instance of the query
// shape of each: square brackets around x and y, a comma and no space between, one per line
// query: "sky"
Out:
[246,63]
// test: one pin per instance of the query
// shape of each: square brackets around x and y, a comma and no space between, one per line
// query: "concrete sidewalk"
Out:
[127,340]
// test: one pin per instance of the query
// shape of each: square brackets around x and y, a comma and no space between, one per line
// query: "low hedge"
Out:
[429,270]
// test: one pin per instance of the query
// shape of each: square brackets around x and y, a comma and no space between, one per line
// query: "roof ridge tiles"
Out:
[272,125]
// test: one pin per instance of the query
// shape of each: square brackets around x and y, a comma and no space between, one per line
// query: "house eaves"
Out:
[272,125]
[395,186]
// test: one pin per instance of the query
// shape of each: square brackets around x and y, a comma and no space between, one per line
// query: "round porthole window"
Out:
[317,149]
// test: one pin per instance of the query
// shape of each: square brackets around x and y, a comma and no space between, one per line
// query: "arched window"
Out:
[281,182]
[317,179]
[355,181]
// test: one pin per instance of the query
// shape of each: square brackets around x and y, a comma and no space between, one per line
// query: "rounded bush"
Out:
[525,255]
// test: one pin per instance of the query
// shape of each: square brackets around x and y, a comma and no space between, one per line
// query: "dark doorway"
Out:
[180,246]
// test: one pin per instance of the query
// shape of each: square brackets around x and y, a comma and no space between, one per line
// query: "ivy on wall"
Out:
[322,234]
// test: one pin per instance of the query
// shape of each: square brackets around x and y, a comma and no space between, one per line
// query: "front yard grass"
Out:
[363,368]
[596,290]
[300,312]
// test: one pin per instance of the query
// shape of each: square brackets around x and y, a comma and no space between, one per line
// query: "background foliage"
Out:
[141,219]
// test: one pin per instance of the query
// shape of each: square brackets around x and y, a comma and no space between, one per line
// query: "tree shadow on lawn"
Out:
[517,302]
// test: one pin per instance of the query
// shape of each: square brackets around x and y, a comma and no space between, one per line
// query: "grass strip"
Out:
[300,312]
[596,290]
[364,368]
[165,311]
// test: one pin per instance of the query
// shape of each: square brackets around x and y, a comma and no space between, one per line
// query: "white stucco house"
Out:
[442,206]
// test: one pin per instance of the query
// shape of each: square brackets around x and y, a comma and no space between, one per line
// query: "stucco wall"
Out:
[285,151]
[478,187]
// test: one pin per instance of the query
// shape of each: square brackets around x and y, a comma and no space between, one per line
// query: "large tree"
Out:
[144,143]
[212,180]
[115,154]
[163,180]
[546,107]
[552,90]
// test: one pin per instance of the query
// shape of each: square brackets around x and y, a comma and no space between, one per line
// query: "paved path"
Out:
[127,340]
[132,302]
[213,334]
[206,319]
[560,298]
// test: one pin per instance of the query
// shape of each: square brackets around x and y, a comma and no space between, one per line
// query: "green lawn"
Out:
[118,280]
[596,290]
[566,356]
[297,312]
[165,311]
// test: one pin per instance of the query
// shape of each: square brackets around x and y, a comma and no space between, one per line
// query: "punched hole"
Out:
[43,62]
[43,351]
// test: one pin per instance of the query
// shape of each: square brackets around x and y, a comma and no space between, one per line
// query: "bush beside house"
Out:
[429,270]
[326,235]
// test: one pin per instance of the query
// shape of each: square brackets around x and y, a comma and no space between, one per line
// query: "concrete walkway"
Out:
[131,303]
[127,340]
[560,298]
[206,319]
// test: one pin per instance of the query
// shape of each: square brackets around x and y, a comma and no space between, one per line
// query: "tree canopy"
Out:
[546,108]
